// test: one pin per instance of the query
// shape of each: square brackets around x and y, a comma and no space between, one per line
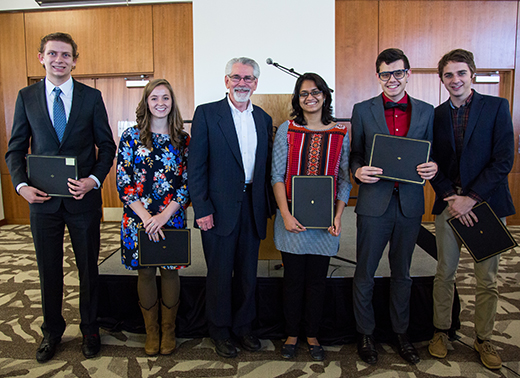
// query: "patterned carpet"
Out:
[122,354]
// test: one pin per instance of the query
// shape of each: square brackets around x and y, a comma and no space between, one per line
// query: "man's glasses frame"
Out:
[398,74]
[238,78]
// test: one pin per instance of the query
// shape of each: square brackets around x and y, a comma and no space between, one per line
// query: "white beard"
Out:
[241,96]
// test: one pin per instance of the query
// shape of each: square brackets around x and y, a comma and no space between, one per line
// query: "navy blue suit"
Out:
[217,181]
[87,128]
[487,154]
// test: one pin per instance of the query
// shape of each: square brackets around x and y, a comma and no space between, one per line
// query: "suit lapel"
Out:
[378,111]
[77,102]
[227,125]
[261,135]
[474,114]
[445,122]
[42,105]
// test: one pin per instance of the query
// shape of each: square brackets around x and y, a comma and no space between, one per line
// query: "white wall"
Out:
[297,34]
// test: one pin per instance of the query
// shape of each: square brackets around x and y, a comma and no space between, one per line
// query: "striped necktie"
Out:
[60,120]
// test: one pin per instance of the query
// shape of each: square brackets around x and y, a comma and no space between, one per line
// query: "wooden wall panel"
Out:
[13,74]
[514,187]
[16,208]
[173,52]
[121,103]
[110,39]
[516,112]
[13,77]
[426,30]
[356,52]
[425,86]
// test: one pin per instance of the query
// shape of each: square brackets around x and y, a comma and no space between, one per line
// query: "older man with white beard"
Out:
[228,167]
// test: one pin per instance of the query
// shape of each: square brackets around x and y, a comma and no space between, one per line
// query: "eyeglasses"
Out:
[314,94]
[238,78]
[398,74]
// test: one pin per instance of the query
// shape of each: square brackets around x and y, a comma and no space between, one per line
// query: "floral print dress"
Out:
[155,177]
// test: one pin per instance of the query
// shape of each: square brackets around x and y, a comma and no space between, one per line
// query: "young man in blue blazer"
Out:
[473,144]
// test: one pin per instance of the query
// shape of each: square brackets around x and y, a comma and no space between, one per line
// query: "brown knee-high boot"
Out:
[168,314]
[151,322]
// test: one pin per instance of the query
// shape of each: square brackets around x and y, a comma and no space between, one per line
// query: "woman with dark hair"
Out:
[310,144]
[152,184]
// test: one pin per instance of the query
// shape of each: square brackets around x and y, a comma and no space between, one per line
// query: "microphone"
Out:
[289,71]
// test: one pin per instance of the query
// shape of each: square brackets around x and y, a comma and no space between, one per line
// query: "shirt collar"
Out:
[466,103]
[404,100]
[249,108]
[66,87]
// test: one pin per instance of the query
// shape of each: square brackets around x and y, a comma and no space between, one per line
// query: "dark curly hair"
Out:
[391,55]
[144,116]
[326,112]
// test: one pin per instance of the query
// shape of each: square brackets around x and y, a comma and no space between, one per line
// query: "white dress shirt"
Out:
[247,139]
[66,96]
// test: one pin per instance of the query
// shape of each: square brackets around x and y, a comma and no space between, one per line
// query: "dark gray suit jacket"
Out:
[368,118]
[215,169]
[487,153]
[87,128]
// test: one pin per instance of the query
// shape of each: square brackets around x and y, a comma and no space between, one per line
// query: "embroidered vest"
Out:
[313,153]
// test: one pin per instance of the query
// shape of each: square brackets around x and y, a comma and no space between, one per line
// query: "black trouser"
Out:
[48,231]
[304,283]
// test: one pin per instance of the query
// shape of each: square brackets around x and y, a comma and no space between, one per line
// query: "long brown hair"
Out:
[144,116]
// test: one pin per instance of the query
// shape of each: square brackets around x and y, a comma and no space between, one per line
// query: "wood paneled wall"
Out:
[13,75]
[110,40]
[426,30]
[113,43]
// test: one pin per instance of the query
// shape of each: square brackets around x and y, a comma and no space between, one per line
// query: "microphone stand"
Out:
[289,71]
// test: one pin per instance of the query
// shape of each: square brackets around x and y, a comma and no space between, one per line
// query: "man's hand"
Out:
[427,171]
[206,223]
[460,208]
[78,188]
[366,174]
[33,195]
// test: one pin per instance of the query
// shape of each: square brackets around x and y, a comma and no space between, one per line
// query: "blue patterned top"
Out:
[155,177]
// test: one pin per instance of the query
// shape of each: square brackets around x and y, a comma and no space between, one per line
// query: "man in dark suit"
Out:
[387,211]
[68,121]
[473,143]
[229,173]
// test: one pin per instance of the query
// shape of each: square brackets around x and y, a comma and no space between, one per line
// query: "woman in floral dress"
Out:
[152,184]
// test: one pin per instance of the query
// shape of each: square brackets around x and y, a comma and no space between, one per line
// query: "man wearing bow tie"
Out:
[60,116]
[387,211]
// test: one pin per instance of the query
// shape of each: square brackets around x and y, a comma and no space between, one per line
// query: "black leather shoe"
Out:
[317,353]
[367,349]
[250,343]
[47,349]
[91,345]
[406,350]
[289,351]
[225,348]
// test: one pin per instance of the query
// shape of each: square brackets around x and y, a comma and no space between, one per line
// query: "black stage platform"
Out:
[119,310]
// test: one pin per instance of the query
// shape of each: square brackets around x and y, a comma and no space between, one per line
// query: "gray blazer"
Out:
[368,118]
